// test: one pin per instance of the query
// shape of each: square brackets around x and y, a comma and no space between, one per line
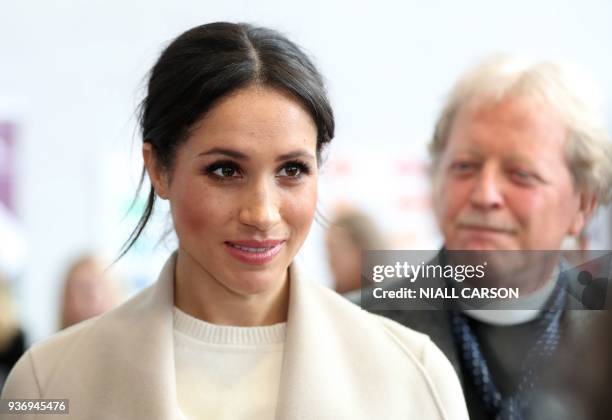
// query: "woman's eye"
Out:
[293,170]
[290,171]
[223,170]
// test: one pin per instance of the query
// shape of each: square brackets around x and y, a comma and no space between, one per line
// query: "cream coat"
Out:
[340,363]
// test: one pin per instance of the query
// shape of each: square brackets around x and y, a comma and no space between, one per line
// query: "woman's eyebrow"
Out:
[239,155]
[295,154]
[226,152]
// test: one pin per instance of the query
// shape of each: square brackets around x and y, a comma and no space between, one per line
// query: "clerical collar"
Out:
[507,317]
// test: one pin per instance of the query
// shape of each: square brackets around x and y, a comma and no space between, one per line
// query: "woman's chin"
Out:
[255,283]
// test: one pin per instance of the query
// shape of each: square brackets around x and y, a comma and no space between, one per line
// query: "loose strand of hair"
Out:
[142,222]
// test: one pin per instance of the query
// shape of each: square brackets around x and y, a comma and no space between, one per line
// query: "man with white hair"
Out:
[520,160]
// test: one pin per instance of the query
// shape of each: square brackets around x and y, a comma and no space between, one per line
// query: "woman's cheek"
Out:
[197,209]
[302,209]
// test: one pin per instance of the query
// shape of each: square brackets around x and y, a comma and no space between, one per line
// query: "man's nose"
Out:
[487,192]
[260,207]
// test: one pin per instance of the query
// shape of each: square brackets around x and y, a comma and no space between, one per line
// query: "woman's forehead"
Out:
[254,120]
[256,107]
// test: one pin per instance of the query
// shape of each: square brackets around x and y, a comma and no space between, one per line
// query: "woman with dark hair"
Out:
[234,123]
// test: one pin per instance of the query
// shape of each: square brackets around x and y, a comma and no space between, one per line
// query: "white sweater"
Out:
[225,372]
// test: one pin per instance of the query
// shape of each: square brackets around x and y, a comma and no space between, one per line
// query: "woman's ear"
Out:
[157,174]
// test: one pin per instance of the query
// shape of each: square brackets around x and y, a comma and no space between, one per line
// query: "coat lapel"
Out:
[339,362]
[307,388]
[123,366]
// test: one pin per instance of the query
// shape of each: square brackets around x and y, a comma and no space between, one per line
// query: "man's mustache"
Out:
[477,221]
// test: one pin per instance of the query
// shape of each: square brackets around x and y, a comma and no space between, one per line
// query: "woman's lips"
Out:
[254,252]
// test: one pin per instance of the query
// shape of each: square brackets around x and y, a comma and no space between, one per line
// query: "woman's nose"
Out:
[260,207]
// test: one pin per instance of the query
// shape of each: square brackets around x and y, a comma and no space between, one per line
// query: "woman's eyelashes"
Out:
[294,169]
[228,170]
[223,170]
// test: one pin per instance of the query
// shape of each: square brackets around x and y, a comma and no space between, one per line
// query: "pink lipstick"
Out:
[254,252]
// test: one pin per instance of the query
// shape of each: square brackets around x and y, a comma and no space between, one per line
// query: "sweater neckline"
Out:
[227,334]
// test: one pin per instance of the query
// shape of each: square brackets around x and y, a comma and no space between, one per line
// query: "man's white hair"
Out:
[570,94]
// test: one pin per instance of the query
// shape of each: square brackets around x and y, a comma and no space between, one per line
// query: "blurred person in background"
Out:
[349,234]
[88,291]
[520,160]
[12,339]
[234,123]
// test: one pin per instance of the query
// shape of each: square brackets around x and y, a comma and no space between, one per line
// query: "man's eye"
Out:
[462,167]
[523,176]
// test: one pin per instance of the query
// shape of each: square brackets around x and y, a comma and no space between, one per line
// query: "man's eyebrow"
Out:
[295,154]
[226,152]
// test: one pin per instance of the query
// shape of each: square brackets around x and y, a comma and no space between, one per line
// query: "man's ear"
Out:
[157,174]
[587,205]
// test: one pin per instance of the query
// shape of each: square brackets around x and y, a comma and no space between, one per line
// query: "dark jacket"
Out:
[436,323]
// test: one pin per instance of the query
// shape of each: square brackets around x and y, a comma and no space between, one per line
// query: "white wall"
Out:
[72,72]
